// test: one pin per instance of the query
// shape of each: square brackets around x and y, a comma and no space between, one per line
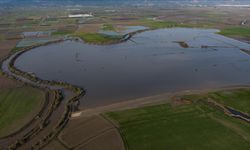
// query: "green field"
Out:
[17,107]
[108,27]
[98,38]
[195,126]
[170,24]
[236,31]
[16,49]
[238,99]
[62,33]
[1,37]
[158,24]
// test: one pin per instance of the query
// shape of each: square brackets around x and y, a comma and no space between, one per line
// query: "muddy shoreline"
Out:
[148,101]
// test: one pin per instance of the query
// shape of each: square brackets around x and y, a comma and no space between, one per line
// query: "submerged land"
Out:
[38,113]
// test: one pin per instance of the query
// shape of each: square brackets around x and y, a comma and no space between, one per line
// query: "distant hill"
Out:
[16,3]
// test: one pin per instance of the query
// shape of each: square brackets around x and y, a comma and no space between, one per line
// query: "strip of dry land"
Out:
[146,101]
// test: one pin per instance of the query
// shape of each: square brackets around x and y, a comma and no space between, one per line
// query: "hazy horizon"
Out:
[41,3]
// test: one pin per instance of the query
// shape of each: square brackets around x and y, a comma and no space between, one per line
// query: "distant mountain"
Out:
[16,3]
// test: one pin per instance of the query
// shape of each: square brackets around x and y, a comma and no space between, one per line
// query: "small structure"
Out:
[80,15]
[244,22]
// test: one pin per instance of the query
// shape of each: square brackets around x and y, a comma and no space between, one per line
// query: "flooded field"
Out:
[150,63]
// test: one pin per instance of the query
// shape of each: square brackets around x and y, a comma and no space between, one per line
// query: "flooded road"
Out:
[150,63]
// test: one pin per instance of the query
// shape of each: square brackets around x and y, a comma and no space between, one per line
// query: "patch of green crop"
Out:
[108,27]
[193,126]
[198,25]
[1,37]
[16,49]
[17,106]
[237,31]
[98,38]
[158,24]
[62,33]
[154,24]
[238,99]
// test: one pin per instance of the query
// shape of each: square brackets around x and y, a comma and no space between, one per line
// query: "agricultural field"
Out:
[89,133]
[236,31]
[17,107]
[1,37]
[191,125]
[56,19]
[108,27]
[6,83]
[238,99]
[98,38]
[6,47]
[158,24]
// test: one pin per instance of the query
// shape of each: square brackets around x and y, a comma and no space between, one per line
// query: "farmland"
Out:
[238,99]
[17,107]
[190,125]
[98,38]
[181,122]
[236,31]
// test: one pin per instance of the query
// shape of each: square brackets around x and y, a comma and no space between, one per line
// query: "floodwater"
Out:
[238,113]
[150,63]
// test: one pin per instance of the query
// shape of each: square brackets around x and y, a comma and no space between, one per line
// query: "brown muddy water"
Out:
[148,64]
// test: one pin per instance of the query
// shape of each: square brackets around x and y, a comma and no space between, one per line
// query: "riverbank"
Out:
[147,101]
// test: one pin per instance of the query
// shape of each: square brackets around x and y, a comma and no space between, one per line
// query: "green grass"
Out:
[170,24]
[193,126]
[1,37]
[108,27]
[62,33]
[236,31]
[158,24]
[98,38]
[16,49]
[198,25]
[17,106]
[238,99]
